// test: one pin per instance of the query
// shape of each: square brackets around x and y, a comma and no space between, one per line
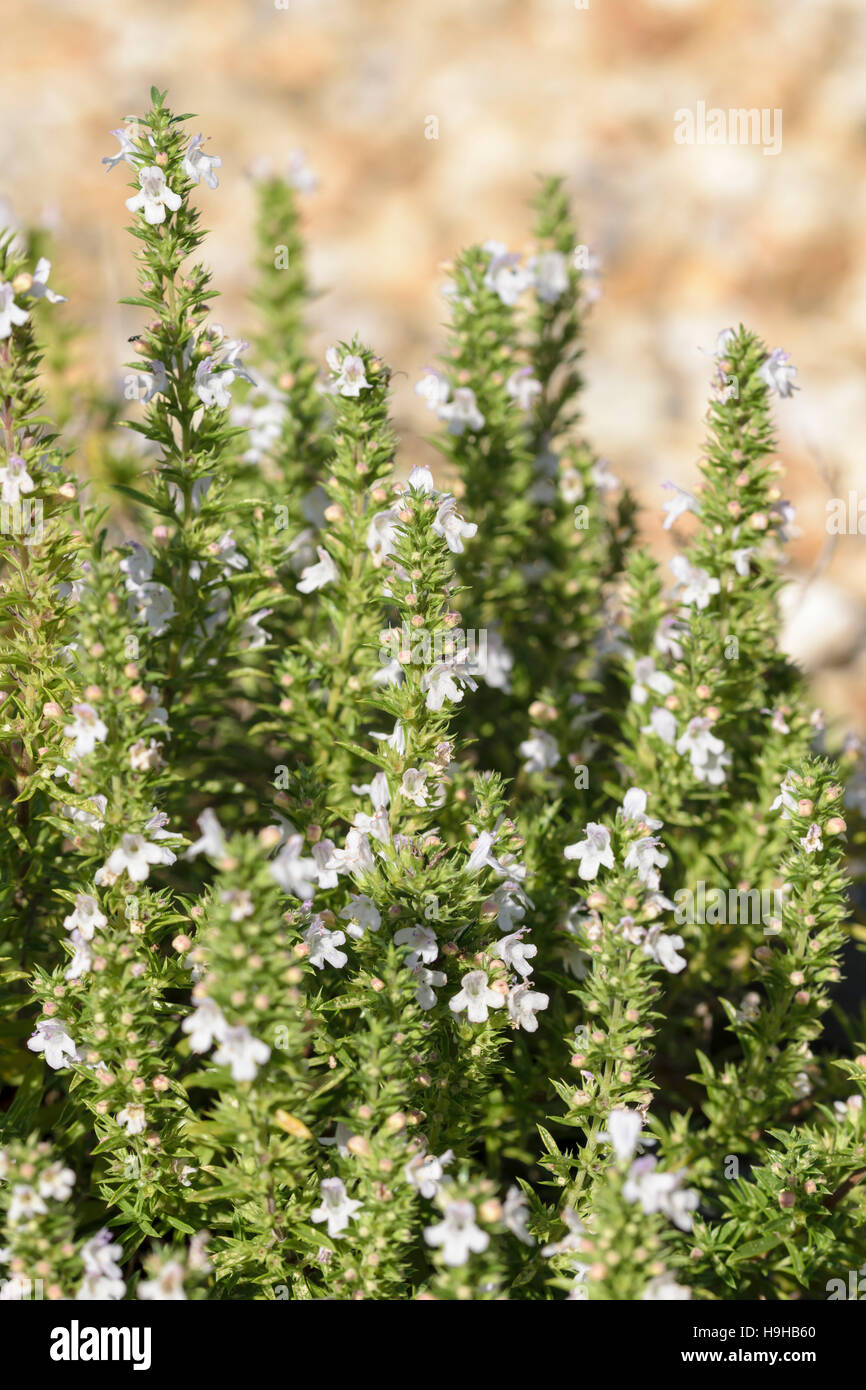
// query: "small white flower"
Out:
[382,536]
[812,841]
[646,678]
[426,1172]
[523,387]
[10,313]
[663,950]
[623,1132]
[504,275]
[205,1026]
[778,373]
[707,752]
[24,1204]
[742,560]
[452,526]
[549,271]
[664,1289]
[662,724]
[133,1118]
[167,1287]
[593,852]
[85,917]
[457,1235]
[698,584]
[242,1052]
[323,945]
[155,196]
[476,997]
[317,576]
[540,750]
[643,857]
[413,786]
[39,288]
[15,479]
[51,1038]
[197,165]
[337,1207]
[349,377]
[212,841]
[362,915]
[294,874]
[440,682]
[679,503]
[154,605]
[658,1191]
[135,856]
[634,809]
[82,958]
[515,1214]
[87,729]
[299,174]
[433,388]
[523,1004]
[421,480]
[422,940]
[462,412]
[356,858]
[426,981]
[126,151]
[515,952]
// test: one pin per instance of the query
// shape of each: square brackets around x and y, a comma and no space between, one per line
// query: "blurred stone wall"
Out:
[692,237]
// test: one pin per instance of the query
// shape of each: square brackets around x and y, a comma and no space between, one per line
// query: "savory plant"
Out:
[408,890]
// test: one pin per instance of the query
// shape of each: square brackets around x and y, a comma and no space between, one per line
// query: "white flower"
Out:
[425,947]
[395,740]
[634,809]
[242,1052]
[51,1038]
[126,151]
[510,902]
[662,1192]
[102,1274]
[413,786]
[462,412]
[382,536]
[132,1117]
[699,585]
[643,857]
[87,729]
[421,480]
[593,852]
[356,858]
[549,271]
[504,275]
[778,373]
[145,757]
[742,559]
[24,1204]
[476,997]
[441,681]
[155,195]
[337,1207]
[523,387]
[317,576]
[15,479]
[299,174]
[426,1172]
[457,1235]
[39,288]
[623,1132]
[294,874]
[56,1182]
[167,1287]
[812,841]
[493,662]
[785,799]
[350,379]
[426,981]
[603,477]
[662,724]
[323,945]
[646,677]
[205,1026]
[362,914]
[515,952]
[10,314]
[663,950]
[523,1004]
[679,503]
[154,605]
[82,958]
[212,841]
[724,340]
[134,856]
[85,917]
[452,526]
[707,752]
[433,388]
[540,750]
[197,165]
[515,1214]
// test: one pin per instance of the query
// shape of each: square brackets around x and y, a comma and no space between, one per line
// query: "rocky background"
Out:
[692,237]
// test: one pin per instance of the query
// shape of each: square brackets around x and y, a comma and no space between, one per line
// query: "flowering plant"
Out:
[357,829]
